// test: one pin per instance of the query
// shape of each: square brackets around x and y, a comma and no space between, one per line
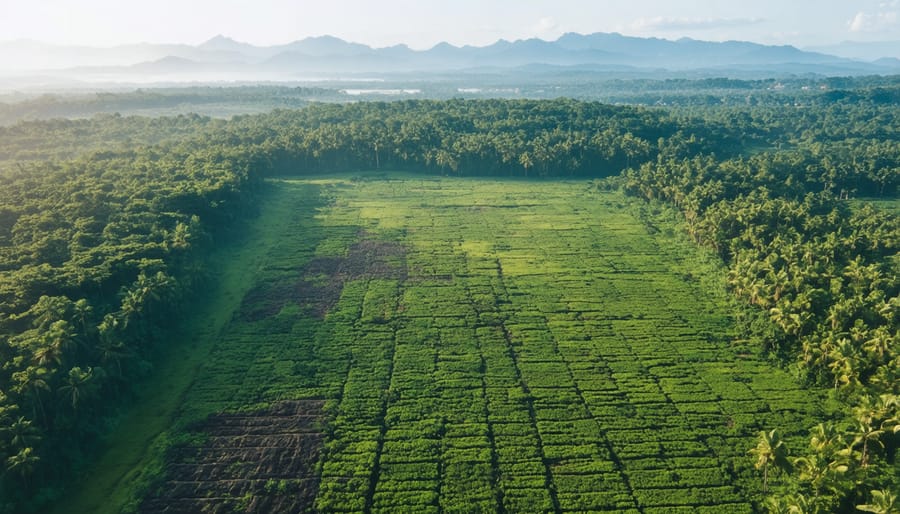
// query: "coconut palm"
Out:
[23,464]
[888,408]
[47,355]
[77,385]
[181,236]
[30,382]
[866,434]
[49,309]
[825,437]
[879,343]
[113,352]
[820,471]
[22,434]
[778,505]
[526,162]
[82,311]
[61,335]
[844,364]
[887,377]
[883,502]
[801,504]
[770,450]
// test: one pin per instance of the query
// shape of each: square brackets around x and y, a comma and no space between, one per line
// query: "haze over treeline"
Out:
[224,59]
[543,256]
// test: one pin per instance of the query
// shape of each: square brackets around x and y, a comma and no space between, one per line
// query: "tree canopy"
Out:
[104,224]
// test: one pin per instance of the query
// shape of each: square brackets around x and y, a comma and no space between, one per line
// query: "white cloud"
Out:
[547,28]
[874,22]
[662,23]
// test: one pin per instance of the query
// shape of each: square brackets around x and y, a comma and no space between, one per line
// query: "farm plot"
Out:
[484,346]
[259,461]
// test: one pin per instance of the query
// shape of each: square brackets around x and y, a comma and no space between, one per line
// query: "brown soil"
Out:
[261,461]
[322,280]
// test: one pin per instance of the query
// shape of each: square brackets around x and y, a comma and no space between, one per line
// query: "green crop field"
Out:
[458,345]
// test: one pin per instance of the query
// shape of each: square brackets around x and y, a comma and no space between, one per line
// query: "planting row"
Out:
[499,346]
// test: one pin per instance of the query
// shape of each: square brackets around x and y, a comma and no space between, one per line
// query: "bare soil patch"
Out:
[262,461]
[322,279]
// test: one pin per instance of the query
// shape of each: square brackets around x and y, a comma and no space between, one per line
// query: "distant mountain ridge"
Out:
[330,55]
[866,51]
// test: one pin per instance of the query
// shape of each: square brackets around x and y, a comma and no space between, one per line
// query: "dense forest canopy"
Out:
[226,101]
[104,224]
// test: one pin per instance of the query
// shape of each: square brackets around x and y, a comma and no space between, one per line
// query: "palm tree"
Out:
[887,377]
[770,450]
[632,147]
[30,382]
[888,408]
[888,308]
[878,343]
[800,504]
[139,300]
[790,322]
[859,274]
[825,437]
[109,325]
[181,236]
[61,335]
[49,309]
[113,351]
[526,162]
[23,463]
[883,502]
[47,355]
[22,433]
[82,313]
[866,433]
[820,471]
[131,306]
[77,385]
[843,366]
[778,505]
[445,159]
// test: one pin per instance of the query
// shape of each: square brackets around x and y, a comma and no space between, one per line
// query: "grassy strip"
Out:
[134,450]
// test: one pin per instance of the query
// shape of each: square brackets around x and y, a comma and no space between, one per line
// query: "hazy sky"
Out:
[423,23]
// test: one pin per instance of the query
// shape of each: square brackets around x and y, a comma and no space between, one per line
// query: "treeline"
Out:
[584,85]
[492,137]
[820,275]
[66,139]
[98,257]
[99,253]
[718,93]
[522,138]
[80,105]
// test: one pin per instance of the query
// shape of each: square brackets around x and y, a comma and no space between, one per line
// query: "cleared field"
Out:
[444,345]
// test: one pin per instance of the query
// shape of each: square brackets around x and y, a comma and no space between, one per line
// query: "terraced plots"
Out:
[483,346]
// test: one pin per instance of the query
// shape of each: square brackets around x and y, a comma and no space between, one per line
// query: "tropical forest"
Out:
[453,304]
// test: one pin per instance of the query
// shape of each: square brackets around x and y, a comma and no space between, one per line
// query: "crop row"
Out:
[548,357]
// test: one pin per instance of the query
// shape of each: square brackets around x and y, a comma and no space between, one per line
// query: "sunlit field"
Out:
[429,345]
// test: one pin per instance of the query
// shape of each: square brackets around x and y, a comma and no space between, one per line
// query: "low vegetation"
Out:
[494,345]
[512,345]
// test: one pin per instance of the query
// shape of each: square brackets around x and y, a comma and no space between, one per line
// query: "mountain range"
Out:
[330,56]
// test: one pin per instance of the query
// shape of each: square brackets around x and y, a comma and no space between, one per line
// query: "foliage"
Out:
[496,344]
[97,258]
[101,250]
[818,274]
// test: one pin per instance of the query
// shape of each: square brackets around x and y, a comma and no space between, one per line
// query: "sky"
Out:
[424,23]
